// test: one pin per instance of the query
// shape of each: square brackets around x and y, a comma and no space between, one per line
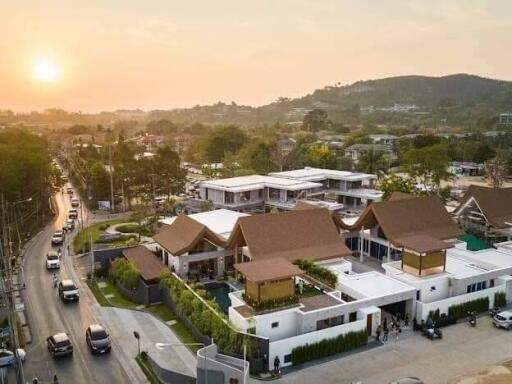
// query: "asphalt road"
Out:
[48,315]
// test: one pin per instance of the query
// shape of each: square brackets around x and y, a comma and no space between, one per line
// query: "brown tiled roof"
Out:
[260,271]
[495,204]
[184,234]
[423,243]
[302,205]
[146,262]
[402,216]
[291,235]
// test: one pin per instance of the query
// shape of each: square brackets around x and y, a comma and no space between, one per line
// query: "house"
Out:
[352,189]
[256,192]
[384,226]
[465,168]
[488,211]
[356,151]
[286,145]
[383,139]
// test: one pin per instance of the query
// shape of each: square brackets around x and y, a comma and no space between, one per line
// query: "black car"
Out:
[97,339]
[68,291]
[59,345]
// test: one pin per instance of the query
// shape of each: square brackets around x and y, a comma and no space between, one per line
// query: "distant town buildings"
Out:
[506,118]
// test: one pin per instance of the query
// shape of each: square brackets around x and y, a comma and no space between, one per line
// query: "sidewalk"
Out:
[122,323]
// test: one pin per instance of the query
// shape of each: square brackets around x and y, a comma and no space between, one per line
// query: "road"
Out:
[48,315]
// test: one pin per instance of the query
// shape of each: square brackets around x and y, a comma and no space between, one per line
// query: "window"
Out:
[274,194]
[484,284]
[418,295]
[246,196]
[288,358]
[491,283]
[206,193]
[229,197]
[352,317]
[251,331]
[479,287]
[260,193]
[275,324]
[432,288]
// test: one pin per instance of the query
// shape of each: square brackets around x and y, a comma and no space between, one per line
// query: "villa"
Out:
[282,190]
[487,211]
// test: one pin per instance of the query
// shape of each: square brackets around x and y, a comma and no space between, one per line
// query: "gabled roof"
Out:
[260,271]
[495,204]
[423,243]
[184,234]
[146,262]
[308,233]
[403,216]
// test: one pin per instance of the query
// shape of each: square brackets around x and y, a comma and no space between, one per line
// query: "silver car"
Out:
[503,320]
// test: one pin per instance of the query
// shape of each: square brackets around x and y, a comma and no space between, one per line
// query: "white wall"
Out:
[423,309]
[288,324]
[284,347]
[238,321]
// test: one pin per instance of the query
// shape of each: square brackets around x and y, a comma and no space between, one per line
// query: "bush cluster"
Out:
[270,304]
[500,299]
[460,311]
[318,272]
[208,322]
[328,347]
[437,319]
[125,272]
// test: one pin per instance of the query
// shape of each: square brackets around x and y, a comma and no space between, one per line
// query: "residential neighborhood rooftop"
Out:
[255,182]
[318,174]
[260,271]
[146,262]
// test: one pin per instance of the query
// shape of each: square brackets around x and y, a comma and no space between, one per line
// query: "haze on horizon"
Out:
[102,55]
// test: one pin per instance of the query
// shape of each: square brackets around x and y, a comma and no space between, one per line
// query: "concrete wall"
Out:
[215,368]
[287,320]
[170,377]
[284,347]
[423,309]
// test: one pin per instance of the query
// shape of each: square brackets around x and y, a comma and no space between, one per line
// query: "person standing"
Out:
[277,363]
[386,333]
[377,332]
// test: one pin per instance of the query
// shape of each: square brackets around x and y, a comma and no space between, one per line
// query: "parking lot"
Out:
[462,351]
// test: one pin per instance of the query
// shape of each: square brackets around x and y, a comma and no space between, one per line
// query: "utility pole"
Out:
[7,290]
[111,179]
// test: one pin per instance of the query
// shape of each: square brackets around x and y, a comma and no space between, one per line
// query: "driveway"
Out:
[463,350]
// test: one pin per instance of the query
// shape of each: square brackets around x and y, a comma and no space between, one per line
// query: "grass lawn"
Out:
[82,239]
[310,291]
[185,336]
[148,371]
[117,299]
[97,294]
[161,311]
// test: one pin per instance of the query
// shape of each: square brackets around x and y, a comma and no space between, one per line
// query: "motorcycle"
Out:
[55,281]
[472,319]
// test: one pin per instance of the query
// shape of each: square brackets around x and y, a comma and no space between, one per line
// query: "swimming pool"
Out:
[220,292]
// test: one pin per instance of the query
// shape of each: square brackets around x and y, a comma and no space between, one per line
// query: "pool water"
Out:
[220,292]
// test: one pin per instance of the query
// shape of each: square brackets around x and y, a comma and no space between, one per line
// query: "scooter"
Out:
[472,320]
[55,281]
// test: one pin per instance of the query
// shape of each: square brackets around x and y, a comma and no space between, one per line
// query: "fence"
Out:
[168,376]
[214,368]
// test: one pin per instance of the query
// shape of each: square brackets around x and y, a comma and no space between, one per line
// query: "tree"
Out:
[100,182]
[496,171]
[316,120]
[372,161]
[161,127]
[422,141]
[169,176]
[219,141]
[318,155]
[428,166]
[257,155]
[395,183]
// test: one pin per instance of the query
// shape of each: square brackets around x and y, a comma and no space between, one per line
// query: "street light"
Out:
[137,336]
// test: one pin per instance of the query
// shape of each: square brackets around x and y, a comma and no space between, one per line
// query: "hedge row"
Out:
[318,272]
[125,272]
[500,299]
[328,347]
[460,311]
[270,304]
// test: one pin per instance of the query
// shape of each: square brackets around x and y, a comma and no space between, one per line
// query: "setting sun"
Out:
[45,70]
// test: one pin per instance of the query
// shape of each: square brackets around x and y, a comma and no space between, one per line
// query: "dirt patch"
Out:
[498,374]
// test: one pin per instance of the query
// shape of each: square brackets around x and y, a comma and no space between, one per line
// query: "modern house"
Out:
[356,151]
[352,189]
[487,211]
[385,227]
[256,192]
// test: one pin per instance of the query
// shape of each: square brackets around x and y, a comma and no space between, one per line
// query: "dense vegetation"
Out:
[462,310]
[125,272]
[318,272]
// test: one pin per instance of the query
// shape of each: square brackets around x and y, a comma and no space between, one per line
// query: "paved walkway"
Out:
[113,231]
[122,323]
[462,351]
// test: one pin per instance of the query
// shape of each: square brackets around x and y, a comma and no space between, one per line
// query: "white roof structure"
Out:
[220,221]
[255,182]
[318,174]
[372,284]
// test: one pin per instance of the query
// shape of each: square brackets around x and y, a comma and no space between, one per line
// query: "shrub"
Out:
[500,299]
[125,272]
[460,311]
[328,347]
[270,304]
[318,272]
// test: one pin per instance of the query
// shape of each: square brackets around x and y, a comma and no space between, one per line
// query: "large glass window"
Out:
[229,197]
[274,194]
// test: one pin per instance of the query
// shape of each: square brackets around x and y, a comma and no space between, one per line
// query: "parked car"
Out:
[98,339]
[407,380]
[70,190]
[59,345]
[68,291]
[70,224]
[58,238]
[494,311]
[75,202]
[8,357]
[52,260]
[73,214]
[503,320]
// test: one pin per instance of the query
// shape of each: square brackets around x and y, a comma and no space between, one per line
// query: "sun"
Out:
[45,70]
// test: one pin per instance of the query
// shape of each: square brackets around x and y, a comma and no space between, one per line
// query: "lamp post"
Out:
[137,336]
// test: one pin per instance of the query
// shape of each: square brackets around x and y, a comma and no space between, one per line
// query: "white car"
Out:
[58,238]
[52,260]
[73,214]
[7,357]
[503,320]
[75,202]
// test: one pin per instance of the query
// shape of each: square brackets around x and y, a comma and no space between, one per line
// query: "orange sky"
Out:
[166,53]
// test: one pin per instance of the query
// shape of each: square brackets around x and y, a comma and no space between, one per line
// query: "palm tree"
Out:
[372,161]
